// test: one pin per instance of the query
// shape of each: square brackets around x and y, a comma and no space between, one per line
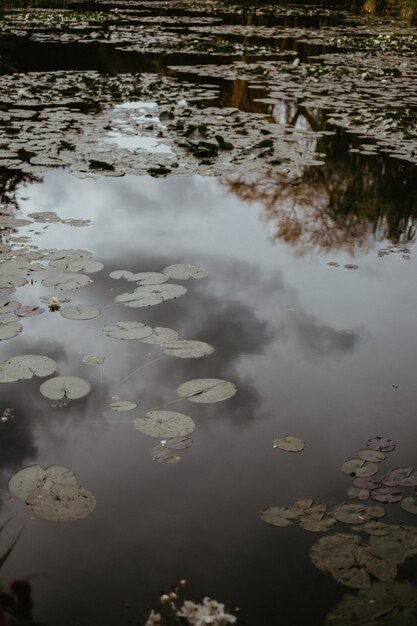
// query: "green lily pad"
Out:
[149,295]
[80,312]
[279,516]
[374,456]
[94,359]
[123,405]
[359,467]
[356,493]
[356,513]
[165,424]
[409,504]
[61,503]
[148,278]
[8,330]
[25,367]
[161,336]
[289,444]
[64,282]
[118,274]
[128,330]
[204,390]
[68,387]
[9,307]
[397,546]
[183,271]
[184,349]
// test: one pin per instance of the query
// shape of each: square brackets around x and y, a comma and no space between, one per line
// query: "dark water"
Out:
[322,352]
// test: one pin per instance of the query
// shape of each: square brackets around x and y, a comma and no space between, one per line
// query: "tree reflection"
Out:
[349,202]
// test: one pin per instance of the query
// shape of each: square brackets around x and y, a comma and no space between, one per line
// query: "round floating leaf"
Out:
[371,455]
[359,467]
[379,529]
[94,359]
[391,481]
[289,443]
[26,480]
[279,516]
[10,307]
[183,271]
[400,472]
[397,546]
[207,390]
[65,282]
[165,424]
[172,459]
[179,443]
[386,494]
[128,330]
[317,525]
[61,503]
[356,513]
[9,330]
[381,443]
[160,451]
[358,494]
[61,475]
[80,312]
[185,349]
[118,274]
[25,367]
[29,311]
[367,482]
[148,278]
[409,504]
[149,295]
[410,481]
[123,405]
[161,336]
[68,387]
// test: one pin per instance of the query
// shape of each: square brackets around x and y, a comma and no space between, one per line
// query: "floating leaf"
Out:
[80,312]
[26,480]
[68,387]
[185,349]
[367,482]
[149,295]
[10,307]
[29,311]
[400,472]
[386,494]
[179,443]
[161,336]
[397,546]
[206,390]
[381,443]
[61,503]
[358,494]
[65,282]
[94,359]
[123,405]
[279,516]
[409,481]
[289,443]
[317,525]
[409,504]
[9,330]
[379,529]
[128,330]
[160,451]
[148,278]
[373,456]
[25,367]
[165,424]
[359,467]
[356,513]
[183,271]
[118,274]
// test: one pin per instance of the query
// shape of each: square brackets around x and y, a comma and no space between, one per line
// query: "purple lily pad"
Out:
[367,482]
[7,291]
[381,443]
[9,307]
[400,472]
[29,311]
[387,494]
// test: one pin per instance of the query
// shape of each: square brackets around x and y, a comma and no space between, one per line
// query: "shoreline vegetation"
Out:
[405,10]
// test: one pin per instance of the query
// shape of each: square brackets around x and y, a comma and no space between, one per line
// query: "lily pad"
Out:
[118,274]
[289,444]
[94,359]
[29,311]
[25,367]
[64,282]
[401,472]
[409,504]
[359,467]
[185,349]
[409,481]
[9,330]
[68,387]
[279,516]
[179,443]
[123,405]
[183,271]
[128,330]
[386,494]
[397,546]
[356,513]
[374,456]
[317,525]
[206,390]
[356,493]
[165,424]
[148,278]
[80,312]
[26,480]
[10,307]
[149,295]
[381,443]
[61,503]
[367,482]
[161,336]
